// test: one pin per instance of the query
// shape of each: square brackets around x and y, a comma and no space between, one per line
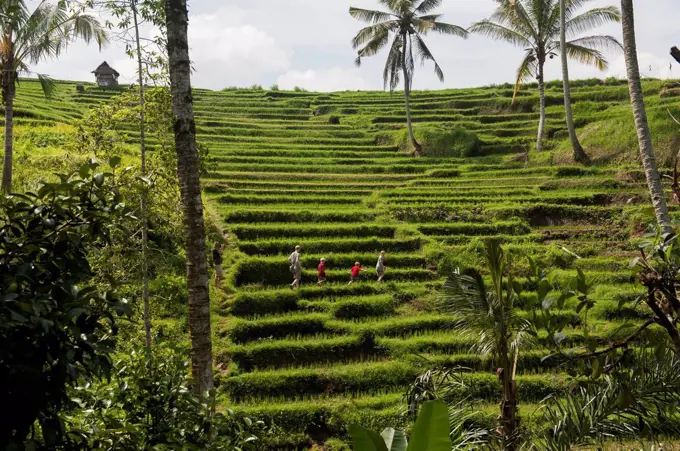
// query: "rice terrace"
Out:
[286,269]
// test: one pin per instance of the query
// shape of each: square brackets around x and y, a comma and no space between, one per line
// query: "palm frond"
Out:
[398,7]
[587,56]
[369,16]
[443,28]
[592,19]
[425,54]
[426,6]
[393,65]
[598,42]
[47,85]
[516,17]
[499,32]
[526,71]
[377,42]
[369,33]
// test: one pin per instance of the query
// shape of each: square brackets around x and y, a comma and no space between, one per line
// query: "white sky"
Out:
[307,43]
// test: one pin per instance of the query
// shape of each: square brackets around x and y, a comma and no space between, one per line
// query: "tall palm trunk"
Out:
[9,140]
[190,190]
[145,191]
[644,136]
[407,92]
[509,418]
[541,97]
[8,93]
[579,154]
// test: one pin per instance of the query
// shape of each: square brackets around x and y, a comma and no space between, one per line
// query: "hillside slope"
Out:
[318,170]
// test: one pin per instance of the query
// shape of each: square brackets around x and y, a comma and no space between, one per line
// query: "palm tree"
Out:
[579,154]
[534,25]
[190,190]
[488,312]
[29,38]
[638,103]
[406,23]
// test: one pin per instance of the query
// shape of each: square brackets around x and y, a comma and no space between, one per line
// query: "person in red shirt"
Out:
[321,272]
[356,269]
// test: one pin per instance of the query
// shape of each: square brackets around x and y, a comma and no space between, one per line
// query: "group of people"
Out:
[296,269]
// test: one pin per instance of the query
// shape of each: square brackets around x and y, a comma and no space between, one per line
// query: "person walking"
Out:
[217,263]
[321,272]
[295,267]
[354,273]
[380,266]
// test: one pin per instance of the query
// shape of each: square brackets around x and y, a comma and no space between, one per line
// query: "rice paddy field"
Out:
[320,171]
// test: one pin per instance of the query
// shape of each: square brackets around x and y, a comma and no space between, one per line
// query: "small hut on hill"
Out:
[106,75]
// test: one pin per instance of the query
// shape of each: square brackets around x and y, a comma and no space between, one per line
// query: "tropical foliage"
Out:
[534,25]
[30,37]
[405,24]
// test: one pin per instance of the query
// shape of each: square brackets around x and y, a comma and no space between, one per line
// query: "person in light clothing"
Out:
[380,266]
[295,267]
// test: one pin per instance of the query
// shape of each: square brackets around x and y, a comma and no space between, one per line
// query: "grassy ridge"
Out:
[283,173]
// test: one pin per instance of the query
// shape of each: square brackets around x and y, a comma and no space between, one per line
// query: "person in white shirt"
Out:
[295,267]
[380,266]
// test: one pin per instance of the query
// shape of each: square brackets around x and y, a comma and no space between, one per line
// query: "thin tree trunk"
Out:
[8,90]
[508,419]
[145,191]
[407,93]
[9,141]
[190,190]
[541,97]
[579,154]
[642,126]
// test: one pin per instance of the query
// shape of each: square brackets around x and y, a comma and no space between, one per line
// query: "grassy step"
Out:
[251,232]
[286,246]
[247,216]
[370,377]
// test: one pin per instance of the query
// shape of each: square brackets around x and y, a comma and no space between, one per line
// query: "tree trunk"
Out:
[9,141]
[508,421]
[417,149]
[8,91]
[145,191]
[190,190]
[579,154]
[541,97]
[644,136]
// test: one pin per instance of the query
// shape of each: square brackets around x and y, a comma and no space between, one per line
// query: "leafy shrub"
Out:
[335,120]
[55,327]
[274,87]
[80,89]
[440,142]
[151,404]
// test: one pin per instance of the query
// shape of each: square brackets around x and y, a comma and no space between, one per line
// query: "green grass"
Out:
[282,175]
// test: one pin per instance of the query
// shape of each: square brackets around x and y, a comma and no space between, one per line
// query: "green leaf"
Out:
[394,440]
[99,179]
[543,289]
[114,161]
[84,171]
[365,440]
[431,431]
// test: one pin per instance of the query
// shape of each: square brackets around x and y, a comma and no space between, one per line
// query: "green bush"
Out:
[335,120]
[441,142]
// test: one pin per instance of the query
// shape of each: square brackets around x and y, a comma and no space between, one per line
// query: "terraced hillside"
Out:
[319,170]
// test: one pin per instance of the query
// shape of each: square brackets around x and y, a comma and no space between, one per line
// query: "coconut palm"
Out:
[190,191]
[534,25]
[31,37]
[405,24]
[579,154]
[488,313]
[641,124]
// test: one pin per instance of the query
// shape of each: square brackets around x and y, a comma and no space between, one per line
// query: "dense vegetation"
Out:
[325,171]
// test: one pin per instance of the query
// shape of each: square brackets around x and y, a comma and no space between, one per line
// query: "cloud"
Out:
[650,66]
[324,80]
[232,55]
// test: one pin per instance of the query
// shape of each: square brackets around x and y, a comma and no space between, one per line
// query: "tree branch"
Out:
[619,344]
